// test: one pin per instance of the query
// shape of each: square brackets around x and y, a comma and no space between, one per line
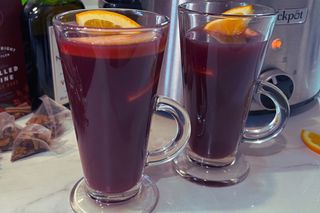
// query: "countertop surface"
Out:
[284,177]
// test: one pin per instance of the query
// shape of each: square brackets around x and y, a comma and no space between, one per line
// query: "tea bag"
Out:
[32,139]
[51,115]
[8,131]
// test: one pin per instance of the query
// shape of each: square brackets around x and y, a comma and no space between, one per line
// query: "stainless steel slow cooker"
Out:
[293,57]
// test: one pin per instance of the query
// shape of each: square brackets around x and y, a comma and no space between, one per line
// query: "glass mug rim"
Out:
[183,7]
[57,20]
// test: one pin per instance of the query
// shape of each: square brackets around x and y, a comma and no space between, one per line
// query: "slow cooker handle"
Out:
[271,130]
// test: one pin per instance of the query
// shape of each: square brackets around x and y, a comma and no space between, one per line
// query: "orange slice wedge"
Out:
[241,10]
[105,19]
[311,140]
[231,26]
[108,19]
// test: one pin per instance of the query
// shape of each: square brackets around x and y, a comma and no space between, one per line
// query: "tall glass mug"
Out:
[111,76]
[222,55]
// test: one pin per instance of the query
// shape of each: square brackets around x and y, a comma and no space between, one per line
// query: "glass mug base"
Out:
[208,161]
[114,197]
[145,200]
[197,172]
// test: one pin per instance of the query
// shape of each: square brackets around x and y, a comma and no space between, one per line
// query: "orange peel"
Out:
[105,19]
[231,25]
[311,140]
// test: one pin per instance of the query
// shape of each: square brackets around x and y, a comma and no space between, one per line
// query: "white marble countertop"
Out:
[284,177]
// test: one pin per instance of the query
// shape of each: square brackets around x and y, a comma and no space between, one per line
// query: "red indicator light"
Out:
[276,44]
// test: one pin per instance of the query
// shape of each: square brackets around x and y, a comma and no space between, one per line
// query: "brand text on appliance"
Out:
[292,16]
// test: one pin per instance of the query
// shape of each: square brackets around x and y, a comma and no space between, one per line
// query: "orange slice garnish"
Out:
[105,19]
[311,140]
[113,20]
[241,10]
[231,26]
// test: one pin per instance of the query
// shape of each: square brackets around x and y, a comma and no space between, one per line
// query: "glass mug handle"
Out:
[173,148]
[271,130]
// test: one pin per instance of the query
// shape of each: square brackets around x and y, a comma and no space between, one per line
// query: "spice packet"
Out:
[51,115]
[8,131]
[31,140]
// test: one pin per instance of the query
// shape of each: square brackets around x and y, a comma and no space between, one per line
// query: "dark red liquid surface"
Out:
[111,91]
[219,77]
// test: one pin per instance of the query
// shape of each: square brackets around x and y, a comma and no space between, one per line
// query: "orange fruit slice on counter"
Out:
[311,140]
[105,19]
[233,25]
